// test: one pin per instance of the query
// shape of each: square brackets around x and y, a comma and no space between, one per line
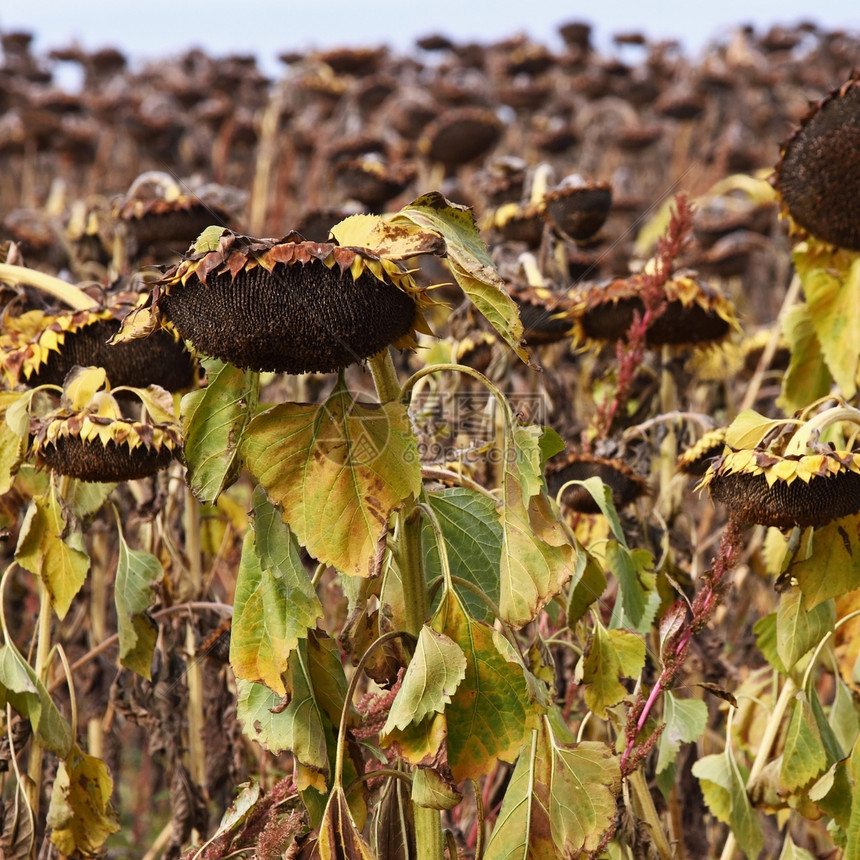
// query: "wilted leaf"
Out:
[473,541]
[80,814]
[490,713]
[602,496]
[27,695]
[213,419]
[338,471]
[339,838]
[470,263]
[559,802]
[799,629]
[807,378]
[685,723]
[587,584]
[804,758]
[274,604]
[137,573]
[750,428]
[382,237]
[537,556]
[433,674]
[432,791]
[81,385]
[19,835]
[50,550]
[613,654]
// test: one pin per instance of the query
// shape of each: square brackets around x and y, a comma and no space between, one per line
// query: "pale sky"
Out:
[161,28]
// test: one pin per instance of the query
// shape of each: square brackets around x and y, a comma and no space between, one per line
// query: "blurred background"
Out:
[265,28]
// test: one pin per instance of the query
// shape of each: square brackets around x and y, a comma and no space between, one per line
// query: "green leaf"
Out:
[799,629]
[852,847]
[804,758]
[338,471]
[807,378]
[274,604]
[833,298]
[765,633]
[727,799]
[637,583]
[21,688]
[470,263]
[685,720]
[48,549]
[587,584]
[473,541]
[560,800]
[432,791]
[602,496]
[80,814]
[843,716]
[213,419]
[137,573]
[14,431]
[431,678]
[790,851]
[490,712]
[613,654]
[833,566]
[298,727]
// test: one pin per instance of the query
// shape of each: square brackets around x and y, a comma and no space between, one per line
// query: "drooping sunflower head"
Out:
[577,209]
[625,484]
[695,314]
[764,479]
[41,347]
[88,437]
[818,175]
[284,305]
[697,458]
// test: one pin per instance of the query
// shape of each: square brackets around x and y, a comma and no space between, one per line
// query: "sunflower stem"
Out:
[428,822]
[799,443]
[67,293]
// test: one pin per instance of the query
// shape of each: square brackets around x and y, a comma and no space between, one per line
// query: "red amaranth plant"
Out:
[630,350]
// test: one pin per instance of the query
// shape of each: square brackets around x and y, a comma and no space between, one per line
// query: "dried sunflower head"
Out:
[285,305]
[88,437]
[625,484]
[696,459]
[577,209]
[818,175]
[461,135]
[40,348]
[696,314]
[786,491]
[157,209]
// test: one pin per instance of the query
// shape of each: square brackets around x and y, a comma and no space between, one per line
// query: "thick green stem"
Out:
[429,841]
[67,293]
[196,752]
[43,654]
[648,813]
